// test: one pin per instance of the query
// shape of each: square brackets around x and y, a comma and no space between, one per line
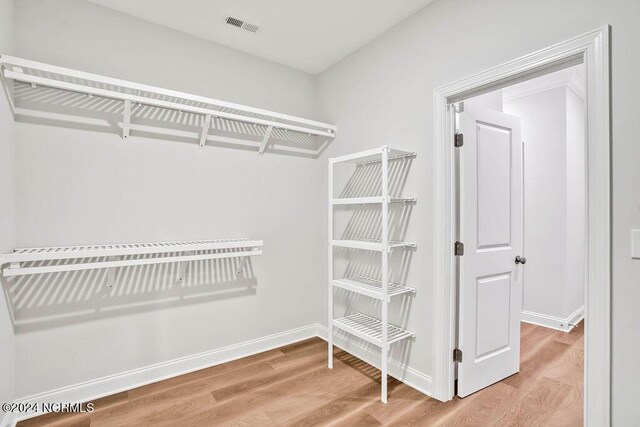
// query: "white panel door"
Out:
[491,229]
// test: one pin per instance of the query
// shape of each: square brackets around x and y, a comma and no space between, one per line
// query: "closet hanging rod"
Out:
[14,68]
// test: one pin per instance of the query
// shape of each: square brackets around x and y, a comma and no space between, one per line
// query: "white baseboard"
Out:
[112,384]
[558,323]
[7,420]
[411,377]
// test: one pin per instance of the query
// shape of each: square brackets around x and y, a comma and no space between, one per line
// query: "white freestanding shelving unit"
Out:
[375,331]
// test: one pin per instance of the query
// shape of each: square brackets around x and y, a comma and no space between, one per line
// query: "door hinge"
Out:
[457,355]
[458,140]
[458,249]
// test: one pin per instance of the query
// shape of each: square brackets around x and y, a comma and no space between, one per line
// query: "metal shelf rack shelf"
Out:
[371,288]
[372,200]
[372,156]
[375,331]
[370,329]
[372,245]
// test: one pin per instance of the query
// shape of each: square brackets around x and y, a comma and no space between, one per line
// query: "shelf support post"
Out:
[330,275]
[385,271]
[127,119]
[265,140]
[205,130]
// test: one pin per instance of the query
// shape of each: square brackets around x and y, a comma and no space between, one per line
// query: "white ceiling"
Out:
[309,35]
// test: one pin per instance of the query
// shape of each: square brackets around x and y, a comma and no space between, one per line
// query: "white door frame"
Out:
[593,49]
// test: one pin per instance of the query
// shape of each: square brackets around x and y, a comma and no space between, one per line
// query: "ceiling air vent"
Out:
[236,22]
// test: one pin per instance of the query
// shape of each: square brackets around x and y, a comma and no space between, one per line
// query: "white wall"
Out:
[554,203]
[80,187]
[7,209]
[382,94]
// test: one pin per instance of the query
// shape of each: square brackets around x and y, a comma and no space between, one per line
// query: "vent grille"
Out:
[236,22]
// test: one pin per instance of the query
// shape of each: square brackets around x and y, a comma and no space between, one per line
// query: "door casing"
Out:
[592,49]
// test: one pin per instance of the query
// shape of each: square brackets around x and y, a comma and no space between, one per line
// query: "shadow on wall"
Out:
[53,107]
[49,300]
[365,223]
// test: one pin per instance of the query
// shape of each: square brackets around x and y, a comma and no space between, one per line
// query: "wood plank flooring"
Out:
[292,386]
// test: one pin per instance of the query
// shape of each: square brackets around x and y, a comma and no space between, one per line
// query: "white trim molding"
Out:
[94,389]
[7,419]
[567,77]
[592,49]
[558,323]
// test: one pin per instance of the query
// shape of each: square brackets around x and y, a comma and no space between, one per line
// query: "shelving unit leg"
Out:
[330,275]
[385,271]
[383,392]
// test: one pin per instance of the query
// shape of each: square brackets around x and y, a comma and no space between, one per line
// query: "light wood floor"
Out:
[292,386]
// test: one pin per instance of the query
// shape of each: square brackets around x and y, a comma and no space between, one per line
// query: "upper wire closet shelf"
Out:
[67,94]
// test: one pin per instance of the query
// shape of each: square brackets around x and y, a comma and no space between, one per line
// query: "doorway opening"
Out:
[592,50]
[520,176]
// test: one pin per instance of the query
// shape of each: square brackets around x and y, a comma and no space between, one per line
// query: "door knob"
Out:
[521,260]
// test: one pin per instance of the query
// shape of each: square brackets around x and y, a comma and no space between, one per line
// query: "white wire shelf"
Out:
[212,119]
[371,245]
[372,156]
[370,287]
[121,255]
[370,329]
[372,200]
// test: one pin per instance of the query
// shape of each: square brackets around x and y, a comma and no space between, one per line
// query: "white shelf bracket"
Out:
[205,130]
[241,266]
[127,119]
[111,274]
[182,268]
[265,139]
[326,142]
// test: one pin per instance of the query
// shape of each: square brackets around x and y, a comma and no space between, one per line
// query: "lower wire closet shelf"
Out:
[89,257]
